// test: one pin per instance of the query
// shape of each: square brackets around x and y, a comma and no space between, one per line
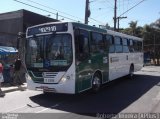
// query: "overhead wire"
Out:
[132,7]
[79,19]
[43,10]
[109,3]
[99,8]
[92,1]
[54,9]
[96,20]
[50,11]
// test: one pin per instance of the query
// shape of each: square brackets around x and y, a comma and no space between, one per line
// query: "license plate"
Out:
[46,80]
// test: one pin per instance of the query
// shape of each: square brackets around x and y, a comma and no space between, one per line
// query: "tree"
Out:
[151,36]
[133,26]
[127,31]
[139,32]
[133,29]
[156,24]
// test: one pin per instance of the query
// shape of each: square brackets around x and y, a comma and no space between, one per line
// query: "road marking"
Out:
[56,105]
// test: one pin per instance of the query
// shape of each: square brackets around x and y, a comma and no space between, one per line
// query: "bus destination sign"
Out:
[47,29]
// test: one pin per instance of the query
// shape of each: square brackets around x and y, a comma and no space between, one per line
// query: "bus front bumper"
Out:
[55,88]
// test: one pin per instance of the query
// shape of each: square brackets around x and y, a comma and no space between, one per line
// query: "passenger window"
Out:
[81,45]
[118,45]
[97,43]
[125,45]
[109,41]
[135,45]
[131,47]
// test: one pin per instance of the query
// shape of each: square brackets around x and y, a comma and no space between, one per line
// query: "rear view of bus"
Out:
[49,58]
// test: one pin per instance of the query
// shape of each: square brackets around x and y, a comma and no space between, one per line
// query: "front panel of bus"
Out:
[49,58]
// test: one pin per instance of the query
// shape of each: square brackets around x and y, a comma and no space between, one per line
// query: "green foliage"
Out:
[149,33]
[133,29]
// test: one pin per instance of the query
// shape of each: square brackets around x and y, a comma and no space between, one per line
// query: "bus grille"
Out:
[38,77]
[49,74]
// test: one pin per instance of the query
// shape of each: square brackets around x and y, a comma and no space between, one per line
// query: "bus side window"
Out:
[97,43]
[131,47]
[135,45]
[81,45]
[125,45]
[118,44]
[110,43]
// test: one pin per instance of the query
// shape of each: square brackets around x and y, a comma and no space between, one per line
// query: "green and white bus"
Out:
[68,57]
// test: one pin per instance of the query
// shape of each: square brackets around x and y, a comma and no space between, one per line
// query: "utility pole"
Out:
[87,12]
[119,18]
[57,15]
[154,48]
[115,15]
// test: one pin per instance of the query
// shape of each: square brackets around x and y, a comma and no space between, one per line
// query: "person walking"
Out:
[11,72]
[1,80]
[17,73]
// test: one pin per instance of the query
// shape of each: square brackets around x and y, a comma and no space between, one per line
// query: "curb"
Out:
[11,89]
[151,69]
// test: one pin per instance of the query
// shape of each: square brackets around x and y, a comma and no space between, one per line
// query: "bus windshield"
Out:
[49,52]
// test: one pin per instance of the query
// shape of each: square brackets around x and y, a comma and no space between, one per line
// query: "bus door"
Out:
[83,64]
[99,54]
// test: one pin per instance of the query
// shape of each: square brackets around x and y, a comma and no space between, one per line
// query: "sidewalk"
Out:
[8,88]
[151,69]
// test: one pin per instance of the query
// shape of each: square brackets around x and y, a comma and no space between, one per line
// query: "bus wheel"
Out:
[131,72]
[96,83]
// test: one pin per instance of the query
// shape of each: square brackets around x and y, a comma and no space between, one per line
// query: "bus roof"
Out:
[114,33]
[106,31]
[88,27]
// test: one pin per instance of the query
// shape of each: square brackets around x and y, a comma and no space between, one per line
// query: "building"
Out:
[12,23]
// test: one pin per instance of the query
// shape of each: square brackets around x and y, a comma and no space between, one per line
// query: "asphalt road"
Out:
[123,96]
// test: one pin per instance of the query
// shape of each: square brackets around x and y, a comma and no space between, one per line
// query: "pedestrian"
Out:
[1,80]
[17,73]
[11,74]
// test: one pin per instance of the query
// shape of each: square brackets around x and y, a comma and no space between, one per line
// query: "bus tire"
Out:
[96,83]
[131,72]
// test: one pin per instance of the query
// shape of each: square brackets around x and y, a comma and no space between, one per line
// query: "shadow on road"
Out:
[112,98]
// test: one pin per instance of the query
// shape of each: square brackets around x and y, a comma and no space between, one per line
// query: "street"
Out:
[141,95]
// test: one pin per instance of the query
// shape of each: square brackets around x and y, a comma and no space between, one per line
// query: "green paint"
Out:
[86,70]
[37,74]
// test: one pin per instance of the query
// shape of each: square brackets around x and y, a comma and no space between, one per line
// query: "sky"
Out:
[102,11]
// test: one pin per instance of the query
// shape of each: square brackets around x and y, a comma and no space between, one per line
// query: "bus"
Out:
[69,57]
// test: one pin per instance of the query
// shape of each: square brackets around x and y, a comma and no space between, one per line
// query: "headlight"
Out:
[63,80]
